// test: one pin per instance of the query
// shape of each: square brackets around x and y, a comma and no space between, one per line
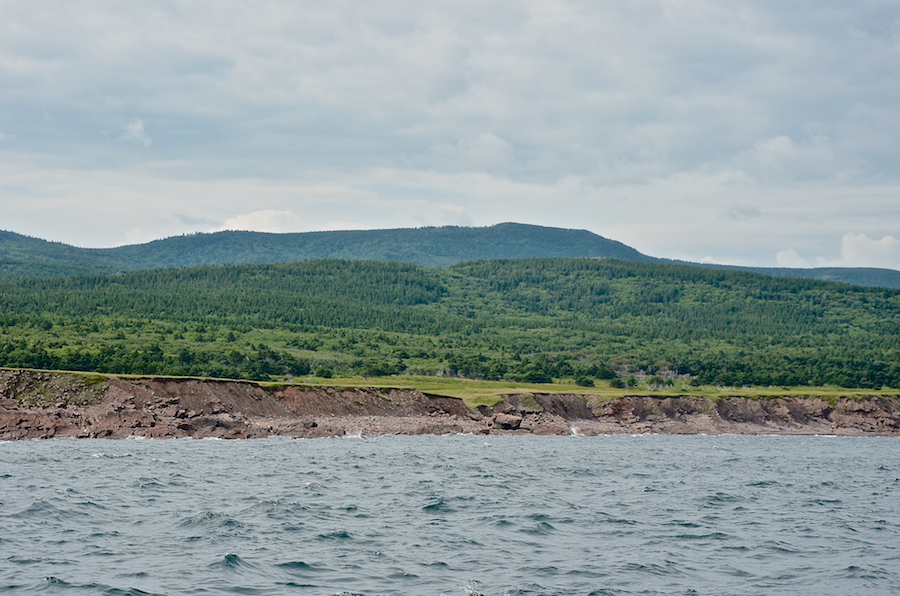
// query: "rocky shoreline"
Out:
[42,405]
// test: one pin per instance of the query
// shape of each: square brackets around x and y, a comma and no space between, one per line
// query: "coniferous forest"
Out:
[531,320]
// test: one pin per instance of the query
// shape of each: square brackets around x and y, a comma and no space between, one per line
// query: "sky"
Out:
[757,133]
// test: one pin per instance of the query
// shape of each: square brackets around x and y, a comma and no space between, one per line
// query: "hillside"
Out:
[529,319]
[23,257]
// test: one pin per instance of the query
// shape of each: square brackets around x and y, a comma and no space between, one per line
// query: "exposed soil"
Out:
[46,405]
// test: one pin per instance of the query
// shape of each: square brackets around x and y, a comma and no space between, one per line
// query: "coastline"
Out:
[42,405]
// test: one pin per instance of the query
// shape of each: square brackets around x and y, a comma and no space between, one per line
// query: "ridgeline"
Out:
[23,257]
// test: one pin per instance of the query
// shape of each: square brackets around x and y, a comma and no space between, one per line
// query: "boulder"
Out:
[507,421]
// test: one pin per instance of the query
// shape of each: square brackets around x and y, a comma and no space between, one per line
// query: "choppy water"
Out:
[452,515]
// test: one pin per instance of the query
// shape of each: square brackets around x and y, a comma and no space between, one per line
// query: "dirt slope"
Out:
[45,405]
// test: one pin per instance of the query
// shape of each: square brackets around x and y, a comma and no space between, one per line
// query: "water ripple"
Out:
[614,515]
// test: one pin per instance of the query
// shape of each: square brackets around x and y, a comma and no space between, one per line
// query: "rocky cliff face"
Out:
[873,414]
[46,405]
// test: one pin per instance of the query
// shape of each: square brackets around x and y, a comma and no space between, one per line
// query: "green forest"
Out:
[535,320]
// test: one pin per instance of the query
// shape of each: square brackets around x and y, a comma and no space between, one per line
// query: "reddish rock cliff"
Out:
[46,405]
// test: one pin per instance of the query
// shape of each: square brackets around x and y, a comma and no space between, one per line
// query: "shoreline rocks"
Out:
[37,404]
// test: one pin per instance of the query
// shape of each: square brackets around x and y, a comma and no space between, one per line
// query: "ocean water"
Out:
[459,515]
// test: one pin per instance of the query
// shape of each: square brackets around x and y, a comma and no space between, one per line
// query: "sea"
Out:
[452,515]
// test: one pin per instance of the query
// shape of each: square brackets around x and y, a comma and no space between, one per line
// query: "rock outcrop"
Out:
[47,405]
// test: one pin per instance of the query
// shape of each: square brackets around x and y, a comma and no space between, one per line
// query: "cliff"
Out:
[46,405]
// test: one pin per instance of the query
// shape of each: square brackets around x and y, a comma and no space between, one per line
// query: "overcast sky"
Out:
[758,133]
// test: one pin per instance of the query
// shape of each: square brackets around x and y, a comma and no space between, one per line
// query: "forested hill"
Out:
[23,257]
[527,319]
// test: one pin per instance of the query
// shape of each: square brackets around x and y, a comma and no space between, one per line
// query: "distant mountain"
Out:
[24,257]
[21,256]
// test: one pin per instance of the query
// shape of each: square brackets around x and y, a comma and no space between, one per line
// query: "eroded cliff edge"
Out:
[46,405]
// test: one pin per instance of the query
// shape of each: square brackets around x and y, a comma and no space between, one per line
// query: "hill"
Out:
[525,319]
[23,257]
[859,276]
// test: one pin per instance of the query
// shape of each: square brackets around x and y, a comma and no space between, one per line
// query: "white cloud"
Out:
[790,258]
[266,220]
[441,215]
[137,236]
[134,132]
[333,225]
[858,250]
[3,137]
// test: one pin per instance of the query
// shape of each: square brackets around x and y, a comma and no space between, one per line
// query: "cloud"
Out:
[3,137]
[135,133]
[441,215]
[573,87]
[267,220]
[858,250]
[790,258]
[195,220]
[743,212]
[484,152]
[137,236]
[781,159]
[687,129]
